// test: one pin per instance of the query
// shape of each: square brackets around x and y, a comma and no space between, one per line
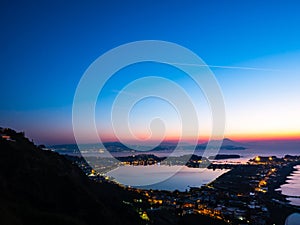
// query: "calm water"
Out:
[292,187]
[180,178]
[195,177]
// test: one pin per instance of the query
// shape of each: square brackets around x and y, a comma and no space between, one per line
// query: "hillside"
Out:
[40,187]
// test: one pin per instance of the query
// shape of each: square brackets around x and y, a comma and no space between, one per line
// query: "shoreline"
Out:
[282,179]
[280,207]
[286,182]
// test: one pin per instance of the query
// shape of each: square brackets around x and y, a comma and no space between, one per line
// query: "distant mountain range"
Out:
[227,144]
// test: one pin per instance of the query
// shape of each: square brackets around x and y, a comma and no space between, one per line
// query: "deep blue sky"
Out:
[47,45]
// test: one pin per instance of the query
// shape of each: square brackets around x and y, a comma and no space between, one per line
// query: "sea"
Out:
[163,177]
[194,177]
[182,178]
[175,178]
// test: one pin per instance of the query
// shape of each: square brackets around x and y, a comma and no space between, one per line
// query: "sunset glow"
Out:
[259,79]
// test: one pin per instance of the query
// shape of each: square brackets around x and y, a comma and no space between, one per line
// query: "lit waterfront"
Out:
[247,192]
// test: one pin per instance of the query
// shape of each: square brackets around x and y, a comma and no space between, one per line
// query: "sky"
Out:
[252,47]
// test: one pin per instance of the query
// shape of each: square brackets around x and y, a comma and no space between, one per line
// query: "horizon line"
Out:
[200,141]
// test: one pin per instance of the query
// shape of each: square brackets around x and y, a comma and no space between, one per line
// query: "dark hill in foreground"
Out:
[41,187]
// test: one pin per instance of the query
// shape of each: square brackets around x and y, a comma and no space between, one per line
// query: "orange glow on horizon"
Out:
[265,136]
[234,137]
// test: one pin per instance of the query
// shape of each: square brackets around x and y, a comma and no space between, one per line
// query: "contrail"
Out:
[245,68]
[226,67]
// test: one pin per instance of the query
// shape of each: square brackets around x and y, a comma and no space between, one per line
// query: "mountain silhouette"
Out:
[39,187]
[227,144]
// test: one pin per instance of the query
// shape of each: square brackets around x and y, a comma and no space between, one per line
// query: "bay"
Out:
[163,177]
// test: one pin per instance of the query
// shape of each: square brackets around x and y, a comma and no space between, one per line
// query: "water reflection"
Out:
[182,180]
[292,187]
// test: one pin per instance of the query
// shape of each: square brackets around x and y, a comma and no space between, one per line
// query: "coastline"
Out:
[279,205]
[282,179]
[296,168]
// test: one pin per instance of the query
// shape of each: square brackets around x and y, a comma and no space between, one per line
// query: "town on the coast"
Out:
[247,194]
